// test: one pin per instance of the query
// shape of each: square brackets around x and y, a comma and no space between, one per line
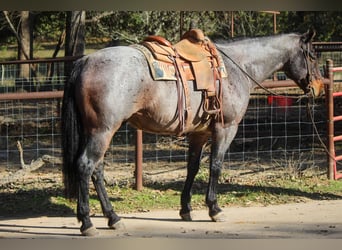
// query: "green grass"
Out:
[22,199]
[263,193]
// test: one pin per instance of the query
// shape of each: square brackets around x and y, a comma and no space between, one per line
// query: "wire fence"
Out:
[35,124]
[270,133]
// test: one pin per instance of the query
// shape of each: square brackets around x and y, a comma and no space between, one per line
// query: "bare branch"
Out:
[60,43]
[97,18]
[15,32]
[27,168]
[11,24]
[21,155]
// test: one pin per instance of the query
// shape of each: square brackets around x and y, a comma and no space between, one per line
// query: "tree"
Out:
[25,44]
[24,37]
[75,37]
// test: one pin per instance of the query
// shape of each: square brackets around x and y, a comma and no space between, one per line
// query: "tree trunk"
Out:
[75,37]
[25,47]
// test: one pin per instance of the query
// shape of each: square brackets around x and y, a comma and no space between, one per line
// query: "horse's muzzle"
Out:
[316,88]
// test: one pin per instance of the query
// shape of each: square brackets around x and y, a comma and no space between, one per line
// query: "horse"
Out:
[114,85]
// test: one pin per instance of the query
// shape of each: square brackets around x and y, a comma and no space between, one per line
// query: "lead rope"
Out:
[317,133]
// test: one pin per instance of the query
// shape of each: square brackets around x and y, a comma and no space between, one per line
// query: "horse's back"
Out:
[122,59]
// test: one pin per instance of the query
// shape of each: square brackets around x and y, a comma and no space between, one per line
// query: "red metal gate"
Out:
[333,159]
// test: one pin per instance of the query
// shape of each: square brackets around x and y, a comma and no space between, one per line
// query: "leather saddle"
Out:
[198,56]
[194,58]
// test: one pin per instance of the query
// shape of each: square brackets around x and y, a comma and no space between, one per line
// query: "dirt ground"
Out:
[318,219]
[315,219]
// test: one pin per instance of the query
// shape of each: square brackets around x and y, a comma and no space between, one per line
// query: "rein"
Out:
[254,80]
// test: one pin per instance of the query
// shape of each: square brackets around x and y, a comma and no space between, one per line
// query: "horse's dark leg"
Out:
[89,161]
[85,169]
[221,140]
[196,142]
[98,180]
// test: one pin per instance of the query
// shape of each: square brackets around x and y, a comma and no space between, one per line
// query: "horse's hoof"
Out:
[219,217]
[186,217]
[119,225]
[90,232]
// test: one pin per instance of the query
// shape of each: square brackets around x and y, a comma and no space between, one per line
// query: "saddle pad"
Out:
[160,52]
[160,70]
[162,67]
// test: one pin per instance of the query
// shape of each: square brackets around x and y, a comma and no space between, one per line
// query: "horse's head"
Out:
[303,67]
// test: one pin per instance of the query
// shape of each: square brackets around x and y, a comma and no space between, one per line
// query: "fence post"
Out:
[138,160]
[329,89]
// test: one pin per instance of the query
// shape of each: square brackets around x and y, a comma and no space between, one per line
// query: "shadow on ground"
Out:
[33,202]
[240,190]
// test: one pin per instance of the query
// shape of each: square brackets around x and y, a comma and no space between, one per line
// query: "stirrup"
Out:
[213,111]
[211,100]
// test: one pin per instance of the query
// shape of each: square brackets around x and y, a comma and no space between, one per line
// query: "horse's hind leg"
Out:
[98,181]
[90,166]
[86,167]
[196,142]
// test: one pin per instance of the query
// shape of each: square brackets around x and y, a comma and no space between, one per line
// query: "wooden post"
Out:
[329,89]
[275,22]
[181,24]
[232,24]
[138,161]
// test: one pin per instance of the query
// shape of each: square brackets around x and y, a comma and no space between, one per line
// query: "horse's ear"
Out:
[308,36]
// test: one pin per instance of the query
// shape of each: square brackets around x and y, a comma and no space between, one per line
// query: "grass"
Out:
[263,193]
[39,198]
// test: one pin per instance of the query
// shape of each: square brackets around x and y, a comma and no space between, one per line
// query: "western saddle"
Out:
[194,58]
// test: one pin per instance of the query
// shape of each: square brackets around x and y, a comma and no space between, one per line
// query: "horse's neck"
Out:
[261,57]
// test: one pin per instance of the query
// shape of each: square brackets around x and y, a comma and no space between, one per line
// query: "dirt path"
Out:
[316,219]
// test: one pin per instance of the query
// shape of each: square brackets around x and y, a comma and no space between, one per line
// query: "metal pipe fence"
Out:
[274,133]
[333,99]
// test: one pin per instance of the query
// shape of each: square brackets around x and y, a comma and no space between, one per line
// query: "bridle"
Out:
[309,60]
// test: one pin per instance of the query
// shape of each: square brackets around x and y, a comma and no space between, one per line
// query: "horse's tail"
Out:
[71,134]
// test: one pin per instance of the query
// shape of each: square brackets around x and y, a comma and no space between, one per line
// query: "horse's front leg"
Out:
[221,140]
[196,143]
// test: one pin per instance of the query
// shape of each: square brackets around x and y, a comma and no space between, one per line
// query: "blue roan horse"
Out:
[114,85]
